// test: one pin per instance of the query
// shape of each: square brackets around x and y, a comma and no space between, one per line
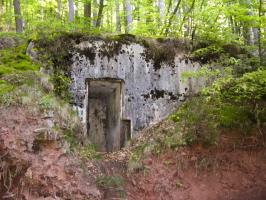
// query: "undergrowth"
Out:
[229,102]
[115,184]
[16,70]
[21,84]
[233,98]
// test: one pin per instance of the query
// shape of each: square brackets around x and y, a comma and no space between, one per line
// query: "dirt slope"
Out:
[231,171]
[35,166]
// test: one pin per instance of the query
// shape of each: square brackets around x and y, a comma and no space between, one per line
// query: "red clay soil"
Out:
[228,172]
[31,170]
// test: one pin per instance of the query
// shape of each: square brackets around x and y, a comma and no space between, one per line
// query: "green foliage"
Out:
[246,65]
[230,102]
[70,137]
[204,72]
[20,84]
[235,116]
[217,20]
[251,87]
[89,152]
[5,87]
[61,85]
[54,51]
[110,181]
[209,53]
[16,70]
[47,102]
[198,119]
[113,183]
[15,60]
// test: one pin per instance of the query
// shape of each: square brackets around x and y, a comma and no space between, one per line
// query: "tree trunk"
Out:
[18,17]
[194,28]
[41,8]
[87,12]
[186,14]
[137,10]
[2,6]
[59,8]
[117,13]
[169,6]
[95,6]
[128,13]
[77,9]
[247,30]
[171,17]
[1,13]
[161,6]
[259,32]
[149,12]
[9,7]
[71,10]
[100,14]
[255,35]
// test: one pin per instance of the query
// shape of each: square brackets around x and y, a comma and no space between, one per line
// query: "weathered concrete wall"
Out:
[151,91]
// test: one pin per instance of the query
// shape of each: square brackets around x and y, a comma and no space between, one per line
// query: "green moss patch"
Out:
[16,69]
[15,60]
[5,87]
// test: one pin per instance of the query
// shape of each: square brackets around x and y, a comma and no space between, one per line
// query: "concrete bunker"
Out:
[105,125]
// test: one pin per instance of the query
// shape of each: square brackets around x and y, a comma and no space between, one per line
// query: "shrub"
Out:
[198,120]
[230,102]
[47,102]
[250,88]
[61,85]
[209,53]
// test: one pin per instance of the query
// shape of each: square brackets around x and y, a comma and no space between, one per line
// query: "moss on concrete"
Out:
[59,48]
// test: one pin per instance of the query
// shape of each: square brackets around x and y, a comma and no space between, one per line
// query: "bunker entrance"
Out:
[104,114]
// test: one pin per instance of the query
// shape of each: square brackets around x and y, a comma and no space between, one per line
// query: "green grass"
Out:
[5,87]
[15,69]
[15,60]
[89,152]
[109,181]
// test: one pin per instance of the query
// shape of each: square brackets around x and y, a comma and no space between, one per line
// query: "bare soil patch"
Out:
[233,170]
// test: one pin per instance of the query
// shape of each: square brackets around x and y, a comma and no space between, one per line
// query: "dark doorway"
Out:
[104,113]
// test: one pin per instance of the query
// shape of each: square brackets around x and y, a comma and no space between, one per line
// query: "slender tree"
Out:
[100,14]
[161,7]
[59,8]
[2,6]
[186,14]
[77,9]
[117,15]
[172,17]
[87,12]
[128,15]
[71,10]
[18,17]
[95,6]
[259,32]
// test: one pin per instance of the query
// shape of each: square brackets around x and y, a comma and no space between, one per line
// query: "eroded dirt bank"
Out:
[35,166]
[231,171]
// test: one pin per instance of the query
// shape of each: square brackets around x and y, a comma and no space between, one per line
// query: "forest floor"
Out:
[34,167]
